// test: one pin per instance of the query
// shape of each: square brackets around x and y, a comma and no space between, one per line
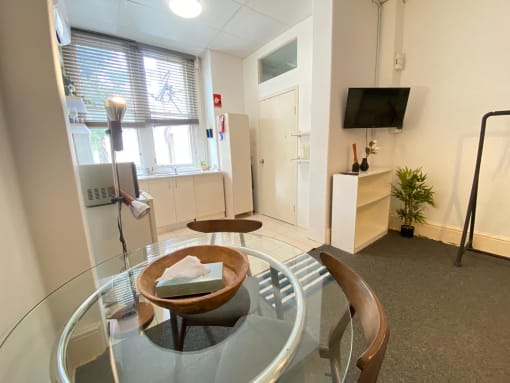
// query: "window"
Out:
[159,86]
[100,146]
[280,61]
[172,145]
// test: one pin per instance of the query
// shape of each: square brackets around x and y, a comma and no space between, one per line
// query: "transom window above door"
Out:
[280,61]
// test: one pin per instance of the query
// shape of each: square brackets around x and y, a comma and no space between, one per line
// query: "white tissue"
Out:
[189,268]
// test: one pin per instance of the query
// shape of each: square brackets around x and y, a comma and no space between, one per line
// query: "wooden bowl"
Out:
[235,268]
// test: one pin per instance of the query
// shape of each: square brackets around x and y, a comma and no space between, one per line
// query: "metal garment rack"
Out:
[471,210]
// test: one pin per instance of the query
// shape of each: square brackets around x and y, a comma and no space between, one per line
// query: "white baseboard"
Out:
[450,234]
[87,343]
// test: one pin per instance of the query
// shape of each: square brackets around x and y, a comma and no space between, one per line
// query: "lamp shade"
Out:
[115,108]
[186,8]
[139,209]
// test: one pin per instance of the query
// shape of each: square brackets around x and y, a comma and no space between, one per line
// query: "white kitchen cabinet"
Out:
[209,196]
[181,199]
[162,191]
[360,208]
[184,197]
[143,185]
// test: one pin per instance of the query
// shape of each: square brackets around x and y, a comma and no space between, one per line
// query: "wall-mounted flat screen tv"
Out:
[375,107]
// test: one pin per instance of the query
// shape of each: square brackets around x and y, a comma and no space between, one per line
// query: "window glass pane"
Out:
[100,144]
[282,60]
[172,145]
[166,89]
[107,74]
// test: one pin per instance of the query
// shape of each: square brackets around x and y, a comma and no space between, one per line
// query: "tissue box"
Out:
[178,287]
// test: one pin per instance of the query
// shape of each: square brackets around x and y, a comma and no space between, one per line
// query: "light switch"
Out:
[399,62]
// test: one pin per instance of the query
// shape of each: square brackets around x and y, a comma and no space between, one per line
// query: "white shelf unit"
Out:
[360,208]
[303,147]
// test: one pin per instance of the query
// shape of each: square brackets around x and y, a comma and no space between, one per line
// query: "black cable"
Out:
[121,232]
[119,221]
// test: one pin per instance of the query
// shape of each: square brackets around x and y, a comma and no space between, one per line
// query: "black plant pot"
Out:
[407,231]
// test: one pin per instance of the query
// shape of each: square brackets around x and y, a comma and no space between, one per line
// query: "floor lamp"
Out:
[115,109]
[469,224]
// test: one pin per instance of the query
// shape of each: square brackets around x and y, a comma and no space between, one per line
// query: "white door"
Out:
[278,148]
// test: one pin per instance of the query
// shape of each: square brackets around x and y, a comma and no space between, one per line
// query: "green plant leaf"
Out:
[412,190]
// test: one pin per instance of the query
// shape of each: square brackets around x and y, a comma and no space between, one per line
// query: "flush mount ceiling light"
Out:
[185,8]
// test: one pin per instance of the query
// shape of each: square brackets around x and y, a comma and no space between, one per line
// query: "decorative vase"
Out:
[364,164]
[355,165]
[407,231]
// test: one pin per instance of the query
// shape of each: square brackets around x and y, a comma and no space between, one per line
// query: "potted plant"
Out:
[414,192]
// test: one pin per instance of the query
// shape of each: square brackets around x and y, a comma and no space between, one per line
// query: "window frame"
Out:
[145,133]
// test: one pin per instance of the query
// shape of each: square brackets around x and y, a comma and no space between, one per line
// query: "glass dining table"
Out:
[98,328]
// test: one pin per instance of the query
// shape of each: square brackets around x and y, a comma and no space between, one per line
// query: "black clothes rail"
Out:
[471,210]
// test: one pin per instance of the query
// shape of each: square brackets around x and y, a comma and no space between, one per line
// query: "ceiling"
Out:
[236,27]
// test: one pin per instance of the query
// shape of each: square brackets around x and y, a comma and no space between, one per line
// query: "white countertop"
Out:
[178,174]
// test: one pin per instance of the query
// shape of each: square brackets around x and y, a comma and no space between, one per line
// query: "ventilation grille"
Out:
[98,195]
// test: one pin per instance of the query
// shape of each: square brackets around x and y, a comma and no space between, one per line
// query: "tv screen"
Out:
[375,107]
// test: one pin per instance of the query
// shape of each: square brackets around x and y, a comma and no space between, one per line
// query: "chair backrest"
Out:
[368,308]
[225,225]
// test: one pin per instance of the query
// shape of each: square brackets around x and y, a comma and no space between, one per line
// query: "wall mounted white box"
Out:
[360,209]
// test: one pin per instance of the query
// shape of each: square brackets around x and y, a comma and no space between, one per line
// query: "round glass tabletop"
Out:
[276,327]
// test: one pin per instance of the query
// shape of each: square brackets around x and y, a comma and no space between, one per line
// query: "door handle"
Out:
[261,161]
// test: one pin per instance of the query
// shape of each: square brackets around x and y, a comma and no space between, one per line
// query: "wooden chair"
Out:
[228,314]
[368,308]
[240,226]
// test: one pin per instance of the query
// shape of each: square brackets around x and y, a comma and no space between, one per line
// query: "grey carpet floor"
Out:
[447,324]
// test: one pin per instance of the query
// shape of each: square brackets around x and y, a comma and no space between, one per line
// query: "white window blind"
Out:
[159,85]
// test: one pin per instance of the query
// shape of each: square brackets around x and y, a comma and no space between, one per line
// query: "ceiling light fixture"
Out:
[186,8]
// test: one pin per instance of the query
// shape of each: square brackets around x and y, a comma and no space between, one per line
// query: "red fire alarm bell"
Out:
[217,100]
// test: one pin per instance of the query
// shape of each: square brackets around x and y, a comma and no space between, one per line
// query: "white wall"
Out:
[209,116]
[321,111]
[344,56]
[46,213]
[18,256]
[301,77]
[457,68]
[227,80]
[223,74]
